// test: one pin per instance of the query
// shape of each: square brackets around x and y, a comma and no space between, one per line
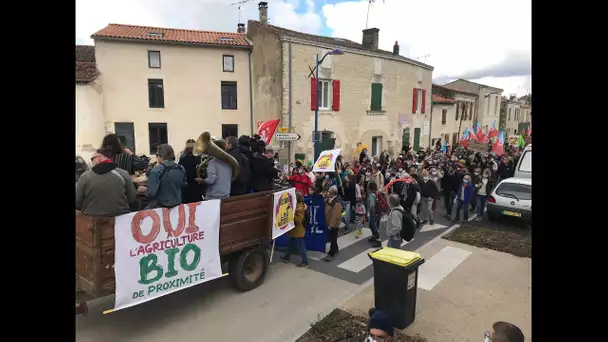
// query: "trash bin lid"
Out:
[395,256]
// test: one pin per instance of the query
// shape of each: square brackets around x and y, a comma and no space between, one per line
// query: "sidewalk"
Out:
[462,291]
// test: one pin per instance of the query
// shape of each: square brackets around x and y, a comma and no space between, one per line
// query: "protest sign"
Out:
[283,210]
[327,161]
[315,238]
[477,146]
[161,251]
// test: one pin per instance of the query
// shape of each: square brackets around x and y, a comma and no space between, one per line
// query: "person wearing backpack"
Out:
[393,228]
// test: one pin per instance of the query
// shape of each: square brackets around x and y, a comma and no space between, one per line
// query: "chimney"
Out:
[370,38]
[240,28]
[396,48]
[263,7]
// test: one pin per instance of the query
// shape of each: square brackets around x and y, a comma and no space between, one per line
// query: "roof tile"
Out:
[170,35]
[441,99]
[338,42]
[86,70]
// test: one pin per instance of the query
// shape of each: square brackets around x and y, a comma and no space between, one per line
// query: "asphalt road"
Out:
[280,310]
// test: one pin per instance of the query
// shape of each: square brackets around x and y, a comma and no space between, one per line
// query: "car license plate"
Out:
[511,213]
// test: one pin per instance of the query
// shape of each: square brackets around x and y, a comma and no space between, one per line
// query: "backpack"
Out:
[408,226]
[381,204]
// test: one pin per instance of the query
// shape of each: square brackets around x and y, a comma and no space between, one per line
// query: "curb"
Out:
[369,282]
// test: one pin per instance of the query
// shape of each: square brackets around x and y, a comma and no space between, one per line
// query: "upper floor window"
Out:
[156,93]
[419,100]
[154,59]
[444,116]
[324,89]
[157,134]
[228,63]
[509,117]
[229,95]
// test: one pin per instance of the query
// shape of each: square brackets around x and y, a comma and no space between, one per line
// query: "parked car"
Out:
[512,197]
[524,165]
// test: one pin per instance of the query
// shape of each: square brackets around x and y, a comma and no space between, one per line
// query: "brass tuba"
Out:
[204,145]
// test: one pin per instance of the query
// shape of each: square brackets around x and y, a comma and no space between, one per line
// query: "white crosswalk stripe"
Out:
[343,242]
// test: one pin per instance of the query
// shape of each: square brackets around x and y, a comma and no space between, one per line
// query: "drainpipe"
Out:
[430,124]
[289,143]
[250,95]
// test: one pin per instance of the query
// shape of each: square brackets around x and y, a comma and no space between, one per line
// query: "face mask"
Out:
[300,172]
[400,169]
[370,339]
[425,178]
[485,176]
[368,174]
[476,173]
[465,181]
[434,173]
[326,177]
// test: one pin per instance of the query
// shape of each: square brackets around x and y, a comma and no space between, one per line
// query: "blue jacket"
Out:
[468,192]
[165,183]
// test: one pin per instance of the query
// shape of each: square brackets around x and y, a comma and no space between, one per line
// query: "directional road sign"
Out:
[287,136]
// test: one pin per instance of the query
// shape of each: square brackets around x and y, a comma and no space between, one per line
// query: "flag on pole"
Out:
[266,129]
[464,139]
[492,132]
[473,134]
[444,145]
[520,141]
[479,133]
[499,146]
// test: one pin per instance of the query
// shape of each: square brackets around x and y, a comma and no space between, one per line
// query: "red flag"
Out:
[480,134]
[266,129]
[473,136]
[499,146]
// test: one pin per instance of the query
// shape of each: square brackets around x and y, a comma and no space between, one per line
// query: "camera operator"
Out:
[262,166]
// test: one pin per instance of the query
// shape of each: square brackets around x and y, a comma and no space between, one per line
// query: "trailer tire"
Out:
[248,269]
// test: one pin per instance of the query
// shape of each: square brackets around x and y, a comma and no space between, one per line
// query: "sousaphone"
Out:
[205,145]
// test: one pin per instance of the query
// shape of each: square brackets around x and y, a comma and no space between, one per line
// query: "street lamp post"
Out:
[316,132]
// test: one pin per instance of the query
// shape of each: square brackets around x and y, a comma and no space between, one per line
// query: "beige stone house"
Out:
[162,85]
[366,95]
[486,107]
[513,111]
[452,113]
[89,111]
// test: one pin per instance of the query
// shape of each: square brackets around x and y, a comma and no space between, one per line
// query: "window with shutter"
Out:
[444,115]
[457,109]
[376,97]
[336,96]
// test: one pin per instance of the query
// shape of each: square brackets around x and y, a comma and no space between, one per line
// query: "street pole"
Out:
[316,133]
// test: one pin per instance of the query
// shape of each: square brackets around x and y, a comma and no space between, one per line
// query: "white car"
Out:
[512,197]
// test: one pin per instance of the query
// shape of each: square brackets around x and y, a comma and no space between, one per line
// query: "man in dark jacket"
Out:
[449,183]
[262,167]
[239,186]
[428,192]
[505,169]
[193,191]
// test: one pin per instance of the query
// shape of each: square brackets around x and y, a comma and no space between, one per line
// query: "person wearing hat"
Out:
[380,326]
[193,191]
[300,180]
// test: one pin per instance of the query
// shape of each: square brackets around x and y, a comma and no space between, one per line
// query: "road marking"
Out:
[343,242]
[358,262]
[428,227]
[434,270]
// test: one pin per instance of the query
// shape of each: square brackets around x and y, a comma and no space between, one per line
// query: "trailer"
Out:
[244,237]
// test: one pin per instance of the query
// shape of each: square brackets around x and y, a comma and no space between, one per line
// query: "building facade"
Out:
[163,85]
[460,114]
[89,110]
[486,108]
[366,95]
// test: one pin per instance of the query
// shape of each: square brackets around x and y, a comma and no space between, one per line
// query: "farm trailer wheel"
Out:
[248,268]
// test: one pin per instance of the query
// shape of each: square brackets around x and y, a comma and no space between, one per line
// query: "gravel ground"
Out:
[498,237]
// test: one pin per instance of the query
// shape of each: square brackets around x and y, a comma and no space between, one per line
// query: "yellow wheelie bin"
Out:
[396,283]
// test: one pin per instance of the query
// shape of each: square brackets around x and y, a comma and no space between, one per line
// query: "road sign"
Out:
[283,129]
[287,136]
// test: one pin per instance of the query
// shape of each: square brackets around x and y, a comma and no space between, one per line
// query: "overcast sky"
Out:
[486,41]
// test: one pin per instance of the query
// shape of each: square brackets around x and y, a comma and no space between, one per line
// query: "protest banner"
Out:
[477,146]
[161,251]
[284,207]
[327,161]
[315,238]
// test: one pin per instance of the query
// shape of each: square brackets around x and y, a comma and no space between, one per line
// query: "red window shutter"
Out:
[335,103]
[415,101]
[423,110]
[313,93]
